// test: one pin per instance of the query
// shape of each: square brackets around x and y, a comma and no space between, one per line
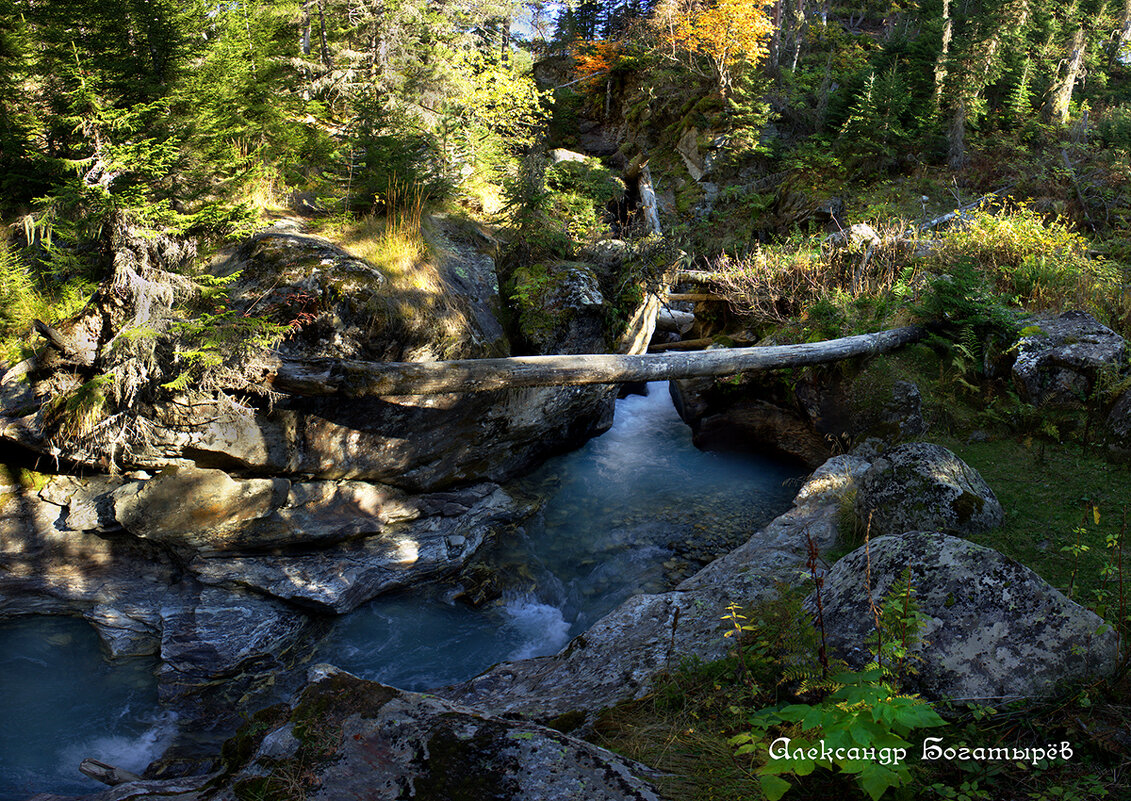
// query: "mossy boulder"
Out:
[921,486]
[1060,362]
[994,631]
[330,305]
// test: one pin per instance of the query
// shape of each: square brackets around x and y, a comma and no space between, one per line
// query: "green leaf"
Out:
[876,779]
[794,712]
[814,719]
[773,787]
[919,716]
[804,767]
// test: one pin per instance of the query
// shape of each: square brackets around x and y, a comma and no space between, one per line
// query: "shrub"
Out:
[967,310]
[830,290]
[863,723]
[1037,263]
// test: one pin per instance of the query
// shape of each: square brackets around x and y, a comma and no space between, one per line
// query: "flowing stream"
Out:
[634,510]
[61,702]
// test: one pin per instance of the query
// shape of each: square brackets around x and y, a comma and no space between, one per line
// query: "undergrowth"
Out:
[1009,257]
[709,727]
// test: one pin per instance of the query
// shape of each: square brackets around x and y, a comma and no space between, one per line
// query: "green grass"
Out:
[1048,492]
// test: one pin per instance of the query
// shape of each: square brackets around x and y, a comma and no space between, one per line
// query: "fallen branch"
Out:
[961,211]
[683,344]
[697,276]
[675,321]
[321,377]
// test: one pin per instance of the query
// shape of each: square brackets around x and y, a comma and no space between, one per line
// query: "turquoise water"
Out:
[61,702]
[634,510]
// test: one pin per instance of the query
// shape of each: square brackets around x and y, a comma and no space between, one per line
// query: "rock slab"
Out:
[350,738]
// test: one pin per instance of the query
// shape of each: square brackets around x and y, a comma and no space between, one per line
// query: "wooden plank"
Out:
[323,377]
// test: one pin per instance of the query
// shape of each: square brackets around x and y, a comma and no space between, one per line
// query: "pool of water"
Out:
[61,702]
[634,510]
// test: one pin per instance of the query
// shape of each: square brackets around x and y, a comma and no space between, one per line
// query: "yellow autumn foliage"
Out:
[726,32]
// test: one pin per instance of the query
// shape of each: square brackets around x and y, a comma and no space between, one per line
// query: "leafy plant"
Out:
[967,311]
[861,727]
[1035,262]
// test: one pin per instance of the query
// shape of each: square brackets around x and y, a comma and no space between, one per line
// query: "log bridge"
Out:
[322,377]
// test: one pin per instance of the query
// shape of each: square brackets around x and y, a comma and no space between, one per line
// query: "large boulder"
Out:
[1061,362]
[448,528]
[219,577]
[206,510]
[226,645]
[924,486]
[994,630]
[862,408]
[803,419]
[350,738]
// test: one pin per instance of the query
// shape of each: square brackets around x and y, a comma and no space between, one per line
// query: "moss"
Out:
[532,289]
[317,719]
[335,698]
[261,788]
[462,769]
[967,505]
[33,480]
[687,196]
[569,721]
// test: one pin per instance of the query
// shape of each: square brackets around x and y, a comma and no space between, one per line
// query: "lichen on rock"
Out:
[995,631]
[921,486]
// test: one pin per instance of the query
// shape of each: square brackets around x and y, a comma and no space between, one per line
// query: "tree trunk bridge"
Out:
[321,377]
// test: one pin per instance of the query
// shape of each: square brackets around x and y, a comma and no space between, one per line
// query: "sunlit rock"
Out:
[1061,362]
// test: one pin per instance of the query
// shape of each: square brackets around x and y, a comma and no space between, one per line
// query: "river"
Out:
[634,510]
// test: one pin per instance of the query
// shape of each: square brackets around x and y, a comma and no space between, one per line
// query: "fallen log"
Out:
[697,276]
[675,321]
[695,296]
[683,344]
[962,212]
[321,377]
